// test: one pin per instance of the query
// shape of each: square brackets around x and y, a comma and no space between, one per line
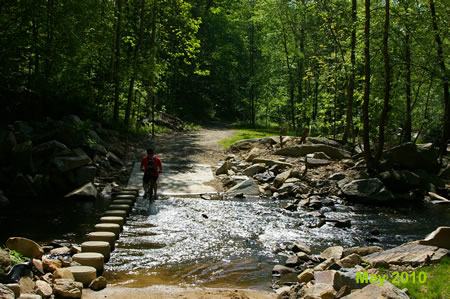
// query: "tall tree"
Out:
[446,122]
[351,76]
[365,106]
[387,84]
[116,74]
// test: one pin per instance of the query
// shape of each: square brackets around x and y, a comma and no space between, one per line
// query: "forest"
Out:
[368,71]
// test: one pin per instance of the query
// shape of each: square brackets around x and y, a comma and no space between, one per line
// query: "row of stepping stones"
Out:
[96,251]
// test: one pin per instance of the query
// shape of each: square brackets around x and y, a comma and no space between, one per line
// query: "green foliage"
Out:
[16,257]
[246,133]
[437,283]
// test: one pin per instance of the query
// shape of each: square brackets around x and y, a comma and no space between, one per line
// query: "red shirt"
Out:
[156,164]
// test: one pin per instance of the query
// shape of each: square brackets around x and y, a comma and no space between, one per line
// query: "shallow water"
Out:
[231,243]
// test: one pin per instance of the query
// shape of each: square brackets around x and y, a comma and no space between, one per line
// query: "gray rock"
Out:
[387,290]
[114,159]
[98,284]
[368,191]
[411,254]
[312,162]
[412,156]
[400,181]
[272,162]
[303,150]
[361,251]
[64,164]
[299,246]
[337,176]
[254,153]
[287,187]
[84,175]
[280,269]
[247,187]
[325,141]
[87,191]
[5,292]
[68,288]
[321,156]
[22,156]
[445,173]
[334,252]
[22,186]
[279,179]
[223,169]
[440,238]
[51,148]
[254,169]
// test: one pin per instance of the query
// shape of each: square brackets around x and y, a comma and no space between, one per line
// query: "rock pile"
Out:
[321,170]
[341,273]
[63,270]
[53,157]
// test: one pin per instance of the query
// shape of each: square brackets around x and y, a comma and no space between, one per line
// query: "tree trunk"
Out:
[252,69]
[351,79]
[135,57]
[153,54]
[365,106]
[407,136]
[117,63]
[446,121]
[387,85]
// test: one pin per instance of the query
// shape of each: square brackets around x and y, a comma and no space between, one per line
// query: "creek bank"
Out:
[341,273]
[321,171]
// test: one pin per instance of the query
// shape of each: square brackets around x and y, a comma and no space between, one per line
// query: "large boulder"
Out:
[7,143]
[329,142]
[22,156]
[87,191]
[247,187]
[367,191]
[44,153]
[400,180]
[26,247]
[22,186]
[64,164]
[83,175]
[304,149]
[440,238]
[68,288]
[407,254]
[387,290]
[412,156]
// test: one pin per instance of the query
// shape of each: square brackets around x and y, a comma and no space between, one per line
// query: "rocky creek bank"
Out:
[50,272]
[339,273]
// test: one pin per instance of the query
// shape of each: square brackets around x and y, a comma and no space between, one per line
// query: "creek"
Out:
[211,243]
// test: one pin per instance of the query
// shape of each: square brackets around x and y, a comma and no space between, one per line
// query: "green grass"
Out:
[248,134]
[437,284]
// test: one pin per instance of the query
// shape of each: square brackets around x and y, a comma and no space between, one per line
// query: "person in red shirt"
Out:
[151,165]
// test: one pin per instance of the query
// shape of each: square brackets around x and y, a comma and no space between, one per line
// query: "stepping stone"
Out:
[103,236]
[93,259]
[113,219]
[129,192]
[108,227]
[120,207]
[122,202]
[83,274]
[120,213]
[97,246]
[125,196]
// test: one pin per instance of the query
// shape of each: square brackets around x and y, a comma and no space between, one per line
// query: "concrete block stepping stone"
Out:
[123,202]
[113,219]
[121,207]
[93,259]
[108,227]
[97,246]
[120,213]
[83,274]
[103,236]
[124,196]
[129,192]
